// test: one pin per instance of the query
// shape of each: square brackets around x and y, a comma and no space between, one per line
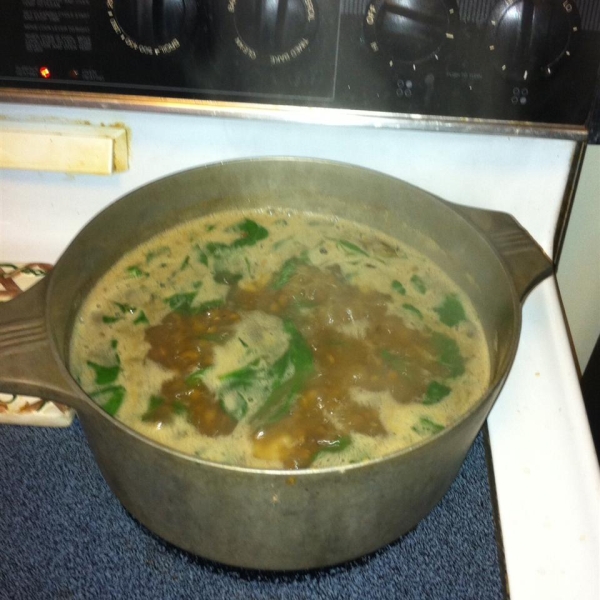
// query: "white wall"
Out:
[579,265]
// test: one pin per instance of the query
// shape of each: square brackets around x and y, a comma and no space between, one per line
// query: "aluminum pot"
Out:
[275,519]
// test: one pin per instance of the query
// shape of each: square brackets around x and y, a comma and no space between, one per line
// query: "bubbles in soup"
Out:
[280,340]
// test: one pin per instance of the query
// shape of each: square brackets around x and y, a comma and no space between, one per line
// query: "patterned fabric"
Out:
[26,410]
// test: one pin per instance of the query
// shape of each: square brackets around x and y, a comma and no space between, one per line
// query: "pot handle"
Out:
[28,362]
[527,262]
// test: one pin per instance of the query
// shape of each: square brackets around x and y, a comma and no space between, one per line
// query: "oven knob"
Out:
[528,38]
[151,26]
[410,31]
[273,31]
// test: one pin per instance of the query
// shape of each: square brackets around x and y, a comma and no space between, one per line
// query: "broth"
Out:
[277,339]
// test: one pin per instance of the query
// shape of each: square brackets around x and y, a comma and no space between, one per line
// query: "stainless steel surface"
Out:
[276,519]
[295,114]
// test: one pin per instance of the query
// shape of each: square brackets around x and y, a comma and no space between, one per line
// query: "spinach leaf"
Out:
[449,354]
[154,412]
[125,308]
[451,311]
[426,426]
[336,445]
[107,319]
[114,396]
[227,277]
[195,378]
[288,269]
[435,393]
[413,309]
[396,362]
[350,247]
[141,319]
[134,272]
[162,251]
[243,377]
[185,264]
[181,303]
[153,405]
[252,233]
[201,256]
[208,305]
[397,286]
[216,249]
[284,390]
[235,406]
[418,284]
[104,375]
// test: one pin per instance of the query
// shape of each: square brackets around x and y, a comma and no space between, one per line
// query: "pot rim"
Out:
[494,385]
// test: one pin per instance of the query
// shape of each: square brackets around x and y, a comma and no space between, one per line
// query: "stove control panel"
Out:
[515,60]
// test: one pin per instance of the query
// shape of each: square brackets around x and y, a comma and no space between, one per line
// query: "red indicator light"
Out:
[45,72]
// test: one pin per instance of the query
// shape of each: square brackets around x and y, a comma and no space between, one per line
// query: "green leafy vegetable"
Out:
[181,303]
[285,388]
[236,406]
[134,272]
[350,247]
[185,264]
[281,243]
[195,378]
[104,374]
[252,233]
[227,277]
[336,445]
[201,256]
[156,403]
[209,305]
[113,398]
[162,251]
[413,309]
[451,311]
[125,308]
[426,426]
[243,377]
[398,287]
[396,362]
[435,393]
[153,405]
[107,319]
[449,354]
[216,249]
[232,396]
[288,269]
[141,319]
[418,284]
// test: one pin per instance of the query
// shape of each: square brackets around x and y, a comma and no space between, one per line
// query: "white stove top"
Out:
[547,476]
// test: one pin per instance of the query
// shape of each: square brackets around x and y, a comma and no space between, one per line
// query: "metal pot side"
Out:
[275,519]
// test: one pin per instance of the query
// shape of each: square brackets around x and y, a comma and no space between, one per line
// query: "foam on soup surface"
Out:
[277,339]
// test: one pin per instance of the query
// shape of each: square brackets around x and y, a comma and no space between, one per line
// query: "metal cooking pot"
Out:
[275,519]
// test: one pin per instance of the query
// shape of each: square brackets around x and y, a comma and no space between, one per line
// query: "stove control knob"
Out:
[528,38]
[273,31]
[410,31]
[151,26]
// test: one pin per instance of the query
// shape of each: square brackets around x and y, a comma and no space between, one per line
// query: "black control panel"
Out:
[517,60]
